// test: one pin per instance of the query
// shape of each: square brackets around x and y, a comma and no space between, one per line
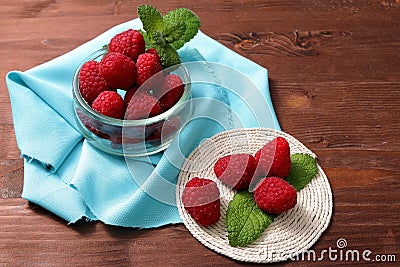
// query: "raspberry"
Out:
[163,131]
[201,200]
[109,103]
[274,159]
[171,91]
[130,43]
[275,195]
[118,70]
[91,124]
[91,83]
[147,65]
[141,106]
[153,51]
[236,170]
[129,93]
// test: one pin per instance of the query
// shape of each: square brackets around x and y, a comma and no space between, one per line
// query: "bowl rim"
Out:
[122,122]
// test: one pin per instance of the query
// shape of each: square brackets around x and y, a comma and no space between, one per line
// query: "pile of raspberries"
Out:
[263,174]
[126,66]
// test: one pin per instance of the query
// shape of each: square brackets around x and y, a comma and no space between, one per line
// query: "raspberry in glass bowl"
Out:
[126,119]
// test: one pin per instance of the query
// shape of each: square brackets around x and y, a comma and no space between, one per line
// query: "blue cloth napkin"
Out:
[66,175]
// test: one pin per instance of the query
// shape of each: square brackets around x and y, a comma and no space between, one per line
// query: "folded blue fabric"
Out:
[66,175]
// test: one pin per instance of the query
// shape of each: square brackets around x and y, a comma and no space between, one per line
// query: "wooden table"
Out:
[334,69]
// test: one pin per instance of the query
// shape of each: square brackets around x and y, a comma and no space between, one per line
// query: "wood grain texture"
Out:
[335,84]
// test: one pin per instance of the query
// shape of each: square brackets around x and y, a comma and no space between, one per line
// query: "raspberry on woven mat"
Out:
[273,159]
[275,195]
[201,199]
[236,170]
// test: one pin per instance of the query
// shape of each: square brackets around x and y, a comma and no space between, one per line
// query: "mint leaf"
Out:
[302,170]
[151,18]
[245,221]
[186,16]
[174,31]
[147,40]
[168,55]
[168,33]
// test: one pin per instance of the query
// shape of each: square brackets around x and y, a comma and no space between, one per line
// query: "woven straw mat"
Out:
[290,234]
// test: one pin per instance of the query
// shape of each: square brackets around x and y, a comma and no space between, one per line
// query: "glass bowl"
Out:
[132,138]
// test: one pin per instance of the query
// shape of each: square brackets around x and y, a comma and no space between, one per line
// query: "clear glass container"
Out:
[133,138]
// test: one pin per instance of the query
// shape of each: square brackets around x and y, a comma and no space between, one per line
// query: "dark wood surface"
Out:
[334,69]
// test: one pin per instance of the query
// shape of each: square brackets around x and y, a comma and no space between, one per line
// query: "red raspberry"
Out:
[163,131]
[236,170]
[141,106]
[153,51]
[129,93]
[109,103]
[118,70]
[147,65]
[171,91]
[129,43]
[91,124]
[275,195]
[91,83]
[201,199]
[274,158]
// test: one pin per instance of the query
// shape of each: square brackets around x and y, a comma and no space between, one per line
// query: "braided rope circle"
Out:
[290,234]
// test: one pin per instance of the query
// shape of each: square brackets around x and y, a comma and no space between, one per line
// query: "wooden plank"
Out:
[48,240]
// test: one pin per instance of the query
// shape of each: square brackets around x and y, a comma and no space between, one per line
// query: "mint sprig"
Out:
[168,33]
[151,18]
[186,21]
[168,55]
[303,168]
[245,221]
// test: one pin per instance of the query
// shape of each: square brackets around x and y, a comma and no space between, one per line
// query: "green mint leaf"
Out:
[192,24]
[157,38]
[245,221]
[168,55]
[302,170]
[147,39]
[151,18]
[174,32]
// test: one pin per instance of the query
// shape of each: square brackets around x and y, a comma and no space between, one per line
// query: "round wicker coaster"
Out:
[290,234]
